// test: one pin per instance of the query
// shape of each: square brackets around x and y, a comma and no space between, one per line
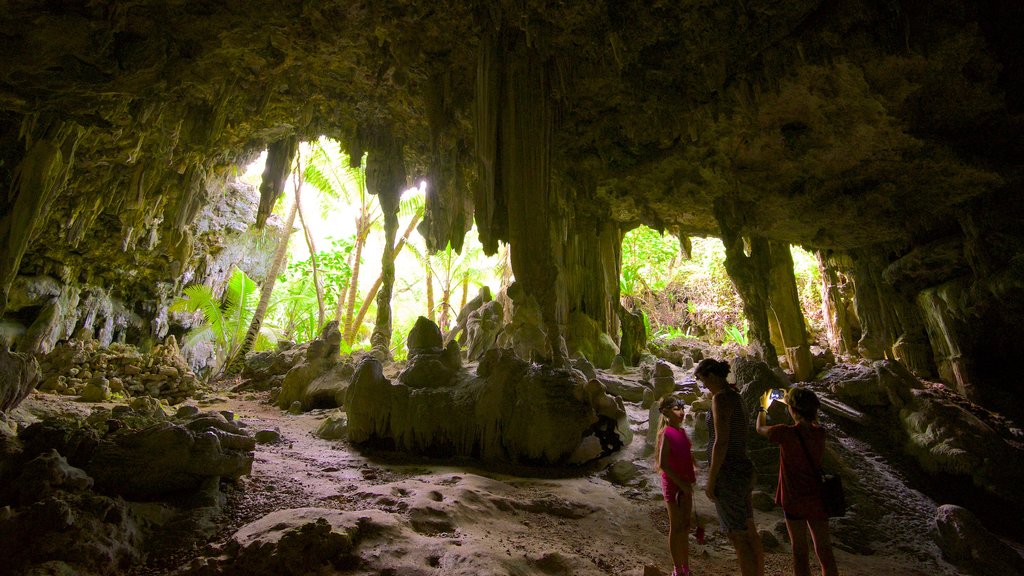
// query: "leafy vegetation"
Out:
[224,320]
[679,297]
[695,297]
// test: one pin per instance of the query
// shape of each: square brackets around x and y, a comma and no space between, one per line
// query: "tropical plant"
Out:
[234,362]
[648,261]
[224,319]
[694,295]
[736,334]
[451,271]
[330,170]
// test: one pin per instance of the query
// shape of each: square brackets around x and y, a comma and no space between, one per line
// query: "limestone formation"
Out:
[320,379]
[509,411]
[965,541]
[86,369]
[19,375]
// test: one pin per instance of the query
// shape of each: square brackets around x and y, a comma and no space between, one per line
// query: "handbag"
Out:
[832,494]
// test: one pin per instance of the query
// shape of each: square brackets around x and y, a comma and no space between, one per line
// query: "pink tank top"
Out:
[680,456]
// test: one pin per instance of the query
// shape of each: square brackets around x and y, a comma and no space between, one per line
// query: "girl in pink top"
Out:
[675,461]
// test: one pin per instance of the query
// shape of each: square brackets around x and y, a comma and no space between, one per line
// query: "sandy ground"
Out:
[467,520]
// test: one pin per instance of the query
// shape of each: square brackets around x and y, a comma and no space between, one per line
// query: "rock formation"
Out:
[886,137]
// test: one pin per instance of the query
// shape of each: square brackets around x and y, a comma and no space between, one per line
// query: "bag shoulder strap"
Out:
[807,452]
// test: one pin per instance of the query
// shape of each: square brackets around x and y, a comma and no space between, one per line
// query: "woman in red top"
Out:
[675,461]
[799,491]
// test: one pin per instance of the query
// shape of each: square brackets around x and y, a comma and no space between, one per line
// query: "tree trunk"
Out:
[446,296]
[234,364]
[372,293]
[362,231]
[430,294]
[297,177]
[465,291]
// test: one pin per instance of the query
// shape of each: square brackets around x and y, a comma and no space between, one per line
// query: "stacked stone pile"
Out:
[84,368]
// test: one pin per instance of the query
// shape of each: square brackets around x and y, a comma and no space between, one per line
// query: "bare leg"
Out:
[749,551]
[679,531]
[798,539]
[823,547]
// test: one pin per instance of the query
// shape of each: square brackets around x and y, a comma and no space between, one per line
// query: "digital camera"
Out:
[777,394]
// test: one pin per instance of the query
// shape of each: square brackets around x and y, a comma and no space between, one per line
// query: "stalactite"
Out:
[385,177]
[489,198]
[946,333]
[38,180]
[448,213]
[280,155]
[749,275]
[888,323]
[590,260]
[525,169]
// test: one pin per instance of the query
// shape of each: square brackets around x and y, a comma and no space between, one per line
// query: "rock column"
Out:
[785,312]
[750,275]
[385,177]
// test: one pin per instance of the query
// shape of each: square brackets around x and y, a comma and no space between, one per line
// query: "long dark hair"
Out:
[711,366]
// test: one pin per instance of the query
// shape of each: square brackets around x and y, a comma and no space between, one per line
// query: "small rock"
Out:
[622,472]
[295,408]
[268,437]
[768,539]
[187,411]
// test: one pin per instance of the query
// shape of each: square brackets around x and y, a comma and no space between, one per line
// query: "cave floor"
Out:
[556,522]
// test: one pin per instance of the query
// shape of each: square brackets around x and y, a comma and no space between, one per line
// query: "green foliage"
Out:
[668,333]
[808,285]
[692,297]
[333,266]
[648,261]
[737,335]
[225,320]
[696,297]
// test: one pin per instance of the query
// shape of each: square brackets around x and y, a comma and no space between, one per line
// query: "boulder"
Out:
[429,364]
[19,375]
[966,542]
[425,337]
[333,427]
[166,459]
[302,541]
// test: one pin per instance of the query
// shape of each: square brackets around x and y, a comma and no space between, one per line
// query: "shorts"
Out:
[669,490]
[732,498]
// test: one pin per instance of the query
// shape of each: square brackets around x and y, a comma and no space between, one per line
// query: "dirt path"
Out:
[469,520]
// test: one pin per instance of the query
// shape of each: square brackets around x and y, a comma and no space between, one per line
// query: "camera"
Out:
[777,394]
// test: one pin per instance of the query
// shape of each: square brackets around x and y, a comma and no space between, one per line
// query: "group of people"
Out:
[731,474]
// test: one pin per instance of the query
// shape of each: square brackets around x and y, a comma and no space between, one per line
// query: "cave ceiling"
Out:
[827,124]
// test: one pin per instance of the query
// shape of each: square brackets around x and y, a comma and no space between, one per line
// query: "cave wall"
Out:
[870,129]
